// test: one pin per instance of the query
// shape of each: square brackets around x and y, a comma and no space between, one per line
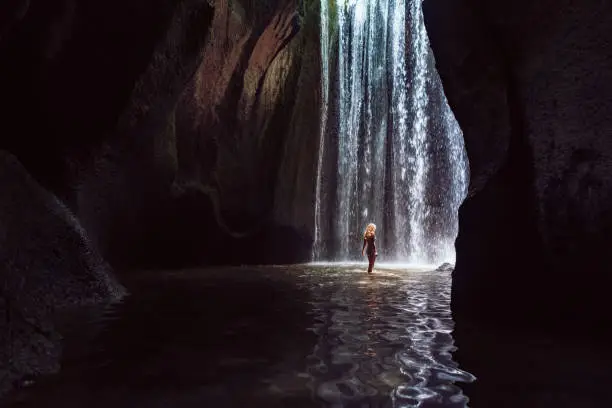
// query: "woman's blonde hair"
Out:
[369,231]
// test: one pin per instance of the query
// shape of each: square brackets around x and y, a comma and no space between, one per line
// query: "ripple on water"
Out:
[378,340]
[386,335]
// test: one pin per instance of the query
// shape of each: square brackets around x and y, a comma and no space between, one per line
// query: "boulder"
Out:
[47,264]
[445,267]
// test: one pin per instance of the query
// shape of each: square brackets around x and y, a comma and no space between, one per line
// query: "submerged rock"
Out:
[46,263]
[445,267]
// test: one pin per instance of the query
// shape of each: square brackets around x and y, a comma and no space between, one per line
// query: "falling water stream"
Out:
[395,149]
[324,113]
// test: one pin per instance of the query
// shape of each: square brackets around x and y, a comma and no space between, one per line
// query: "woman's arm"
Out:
[364,245]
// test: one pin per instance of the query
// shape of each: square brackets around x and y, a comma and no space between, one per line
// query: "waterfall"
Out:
[324,18]
[401,157]
[392,148]
[419,137]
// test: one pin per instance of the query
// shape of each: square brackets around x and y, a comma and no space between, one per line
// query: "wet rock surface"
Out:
[445,267]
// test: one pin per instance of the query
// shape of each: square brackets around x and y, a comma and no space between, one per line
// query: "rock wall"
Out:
[124,189]
[233,116]
[47,263]
[146,133]
[81,90]
[168,138]
[246,127]
[530,84]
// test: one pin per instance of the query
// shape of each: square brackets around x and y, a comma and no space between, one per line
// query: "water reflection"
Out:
[299,336]
[384,340]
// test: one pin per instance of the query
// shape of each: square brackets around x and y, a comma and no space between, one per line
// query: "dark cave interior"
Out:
[183,133]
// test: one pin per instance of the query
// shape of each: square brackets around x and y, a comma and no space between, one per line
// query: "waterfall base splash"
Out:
[398,151]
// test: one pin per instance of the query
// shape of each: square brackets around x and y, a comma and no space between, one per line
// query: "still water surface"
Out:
[295,336]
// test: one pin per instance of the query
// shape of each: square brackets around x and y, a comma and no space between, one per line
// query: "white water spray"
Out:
[419,137]
[391,137]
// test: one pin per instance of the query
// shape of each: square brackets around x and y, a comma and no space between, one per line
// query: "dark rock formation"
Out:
[531,368]
[175,132]
[92,85]
[246,134]
[157,133]
[67,71]
[530,84]
[46,264]
[86,95]
[124,189]
[445,267]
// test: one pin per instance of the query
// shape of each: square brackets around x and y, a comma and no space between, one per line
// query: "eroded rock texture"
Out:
[178,132]
[246,133]
[47,263]
[156,133]
[124,190]
[530,84]
[86,89]
[229,136]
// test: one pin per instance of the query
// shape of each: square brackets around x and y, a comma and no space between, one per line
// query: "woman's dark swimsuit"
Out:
[370,243]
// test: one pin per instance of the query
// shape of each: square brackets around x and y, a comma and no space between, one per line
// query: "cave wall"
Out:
[246,128]
[169,138]
[68,68]
[88,91]
[146,134]
[85,86]
[47,265]
[229,138]
[530,84]
[124,190]
[296,176]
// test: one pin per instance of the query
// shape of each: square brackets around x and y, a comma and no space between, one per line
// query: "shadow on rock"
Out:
[47,264]
[532,369]
[184,231]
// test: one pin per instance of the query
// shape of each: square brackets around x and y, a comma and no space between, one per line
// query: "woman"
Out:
[369,238]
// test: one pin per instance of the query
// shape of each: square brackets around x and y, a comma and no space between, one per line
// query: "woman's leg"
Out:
[371,258]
